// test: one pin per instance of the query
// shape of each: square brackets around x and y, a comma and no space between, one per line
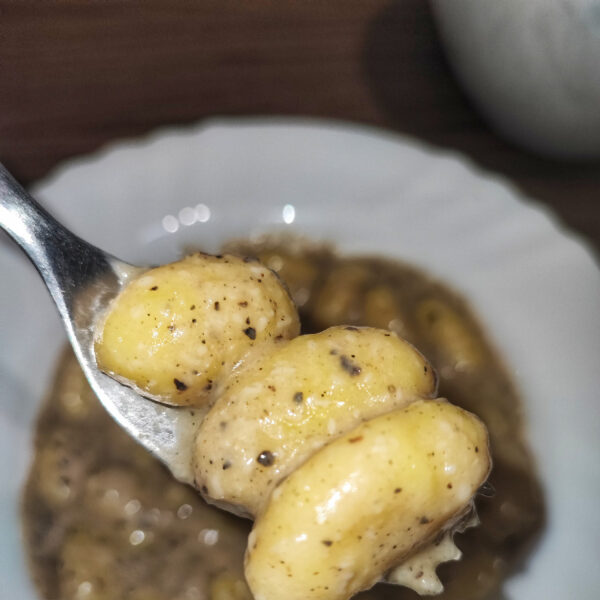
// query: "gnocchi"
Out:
[176,330]
[275,413]
[360,505]
[448,331]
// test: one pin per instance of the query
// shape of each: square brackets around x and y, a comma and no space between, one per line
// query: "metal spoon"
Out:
[81,280]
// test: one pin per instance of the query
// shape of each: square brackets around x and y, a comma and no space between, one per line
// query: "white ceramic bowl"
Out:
[532,67]
[535,287]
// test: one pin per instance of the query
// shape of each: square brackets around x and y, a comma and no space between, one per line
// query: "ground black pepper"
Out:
[349,366]
[266,458]
[180,385]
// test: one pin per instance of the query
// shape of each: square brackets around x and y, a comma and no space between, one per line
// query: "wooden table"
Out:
[76,74]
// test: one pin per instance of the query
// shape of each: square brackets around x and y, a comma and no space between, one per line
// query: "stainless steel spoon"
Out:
[81,280]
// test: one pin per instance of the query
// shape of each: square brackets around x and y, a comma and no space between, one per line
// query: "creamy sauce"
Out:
[104,520]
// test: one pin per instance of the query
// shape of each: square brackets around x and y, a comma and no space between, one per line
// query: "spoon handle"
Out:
[65,262]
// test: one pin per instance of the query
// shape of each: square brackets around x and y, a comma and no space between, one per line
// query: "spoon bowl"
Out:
[82,280]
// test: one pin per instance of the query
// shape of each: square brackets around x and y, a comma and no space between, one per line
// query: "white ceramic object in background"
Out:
[535,287]
[532,67]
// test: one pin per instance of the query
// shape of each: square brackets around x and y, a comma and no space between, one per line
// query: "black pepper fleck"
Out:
[298,397]
[226,465]
[349,366]
[217,306]
[266,458]
[250,332]
[180,385]
[326,542]
[153,288]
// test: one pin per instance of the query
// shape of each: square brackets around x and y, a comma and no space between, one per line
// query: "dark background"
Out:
[77,74]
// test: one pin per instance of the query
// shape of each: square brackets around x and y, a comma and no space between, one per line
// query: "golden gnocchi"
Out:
[176,330]
[363,503]
[286,404]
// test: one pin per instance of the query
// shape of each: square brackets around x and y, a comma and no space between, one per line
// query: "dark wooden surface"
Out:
[76,74]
